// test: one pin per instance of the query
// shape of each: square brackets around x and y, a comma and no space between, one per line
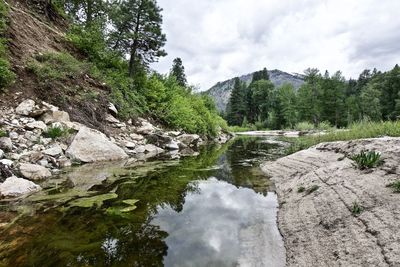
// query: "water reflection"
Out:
[183,217]
[222,225]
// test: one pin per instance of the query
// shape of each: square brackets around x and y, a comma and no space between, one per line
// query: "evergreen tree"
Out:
[262,96]
[370,103]
[236,106]
[390,88]
[137,32]
[178,70]
[287,100]
[260,75]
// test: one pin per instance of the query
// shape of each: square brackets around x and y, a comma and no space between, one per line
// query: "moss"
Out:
[89,202]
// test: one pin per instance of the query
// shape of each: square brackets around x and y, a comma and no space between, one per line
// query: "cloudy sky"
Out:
[221,39]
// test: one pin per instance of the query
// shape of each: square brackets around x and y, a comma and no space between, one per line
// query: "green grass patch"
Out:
[57,132]
[356,209]
[356,131]
[238,129]
[367,160]
[57,66]
[395,186]
[3,133]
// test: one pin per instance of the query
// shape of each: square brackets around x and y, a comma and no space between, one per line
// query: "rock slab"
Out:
[14,187]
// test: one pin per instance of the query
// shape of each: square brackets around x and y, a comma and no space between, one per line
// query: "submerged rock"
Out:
[14,187]
[34,172]
[91,145]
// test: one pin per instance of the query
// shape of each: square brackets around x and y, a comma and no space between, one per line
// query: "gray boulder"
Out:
[189,139]
[14,187]
[36,125]
[53,151]
[34,172]
[26,107]
[6,144]
[90,146]
[55,116]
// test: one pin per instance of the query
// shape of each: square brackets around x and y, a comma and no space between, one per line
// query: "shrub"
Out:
[6,75]
[367,160]
[301,189]
[312,189]
[56,132]
[304,126]
[3,133]
[356,209]
[324,126]
[396,186]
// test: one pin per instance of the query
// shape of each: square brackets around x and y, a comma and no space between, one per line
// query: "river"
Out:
[216,209]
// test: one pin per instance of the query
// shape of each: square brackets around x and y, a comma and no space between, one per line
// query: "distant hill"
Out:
[222,90]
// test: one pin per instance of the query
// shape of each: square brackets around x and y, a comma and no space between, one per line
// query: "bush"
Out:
[324,126]
[367,160]
[304,126]
[356,209]
[301,189]
[6,75]
[3,133]
[56,132]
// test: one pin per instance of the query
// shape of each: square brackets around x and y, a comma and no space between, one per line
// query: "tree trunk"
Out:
[135,42]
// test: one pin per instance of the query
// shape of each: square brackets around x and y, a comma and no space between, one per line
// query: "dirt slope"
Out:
[319,228]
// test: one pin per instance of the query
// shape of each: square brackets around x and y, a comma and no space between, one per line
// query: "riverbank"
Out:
[38,140]
[334,214]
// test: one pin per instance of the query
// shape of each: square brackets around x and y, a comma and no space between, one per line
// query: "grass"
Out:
[356,209]
[367,160]
[312,189]
[301,189]
[56,132]
[395,186]
[365,129]
[3,133]
[238,129]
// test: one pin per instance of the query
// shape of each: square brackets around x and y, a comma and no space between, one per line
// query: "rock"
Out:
[111,119]
[73,125]
[43,163]
[130,145]
[136,137]
[112,108]
[34,172]
[53,151]
[90,146]
[1,153]
[36,125]
[146,128]
[153,149]
[173,145]
[6,144]
[7,162]
[49,106]
[320,227]
[63,162]
[189,139]
[173,133]
[35,156]
[25,108]
[140,149]
[158,139]
[14,187]
[55,116]
[5,171]
[13,135]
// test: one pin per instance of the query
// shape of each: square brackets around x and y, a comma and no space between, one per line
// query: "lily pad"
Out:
[88,202]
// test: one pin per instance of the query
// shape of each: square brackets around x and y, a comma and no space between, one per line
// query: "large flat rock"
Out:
[91,146]
[319,228]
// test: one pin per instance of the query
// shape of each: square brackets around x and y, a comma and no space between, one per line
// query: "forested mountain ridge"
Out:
[221,91]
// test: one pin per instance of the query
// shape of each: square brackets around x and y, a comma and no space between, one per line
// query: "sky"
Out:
[221,39]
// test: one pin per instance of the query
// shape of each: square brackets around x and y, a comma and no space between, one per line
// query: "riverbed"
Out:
[215,209]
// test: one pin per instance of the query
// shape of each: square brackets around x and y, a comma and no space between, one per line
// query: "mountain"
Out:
[221,91]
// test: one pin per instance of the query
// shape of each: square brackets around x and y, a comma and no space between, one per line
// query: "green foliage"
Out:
[3,133]
[56,132]
[312,189]
[356,209]
[178,71]
[57,66]
[301,189]
[395,185]
[6,75]
[366,160]
[360,130]
[304,126]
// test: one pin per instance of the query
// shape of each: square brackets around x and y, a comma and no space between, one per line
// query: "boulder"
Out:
[189,139]
[5,171]
[34,172]
[26,107]
[146,128]
[55,116]
[112,108]
[36,125]
[53,151]
[7,162]
[136,137]
[14,187]
[1,154]
[158,139]
[173,145]
[111,119]
[6,144]
[153,149]
[130,145]
[90,146]
[140,149]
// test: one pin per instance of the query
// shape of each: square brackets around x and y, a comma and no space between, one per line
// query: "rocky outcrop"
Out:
[332,213]
[15,187]
[91,145]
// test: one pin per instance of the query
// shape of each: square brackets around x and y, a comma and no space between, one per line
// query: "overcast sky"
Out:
[221,39]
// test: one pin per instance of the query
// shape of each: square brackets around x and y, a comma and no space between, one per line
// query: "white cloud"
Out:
[218,40]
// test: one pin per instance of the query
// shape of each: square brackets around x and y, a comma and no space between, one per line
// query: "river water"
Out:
[216,209]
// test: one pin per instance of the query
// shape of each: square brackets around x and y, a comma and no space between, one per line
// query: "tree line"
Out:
[324,98]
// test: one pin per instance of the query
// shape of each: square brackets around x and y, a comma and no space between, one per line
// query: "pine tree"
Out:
[178,70]
[137,32]
[236,106]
